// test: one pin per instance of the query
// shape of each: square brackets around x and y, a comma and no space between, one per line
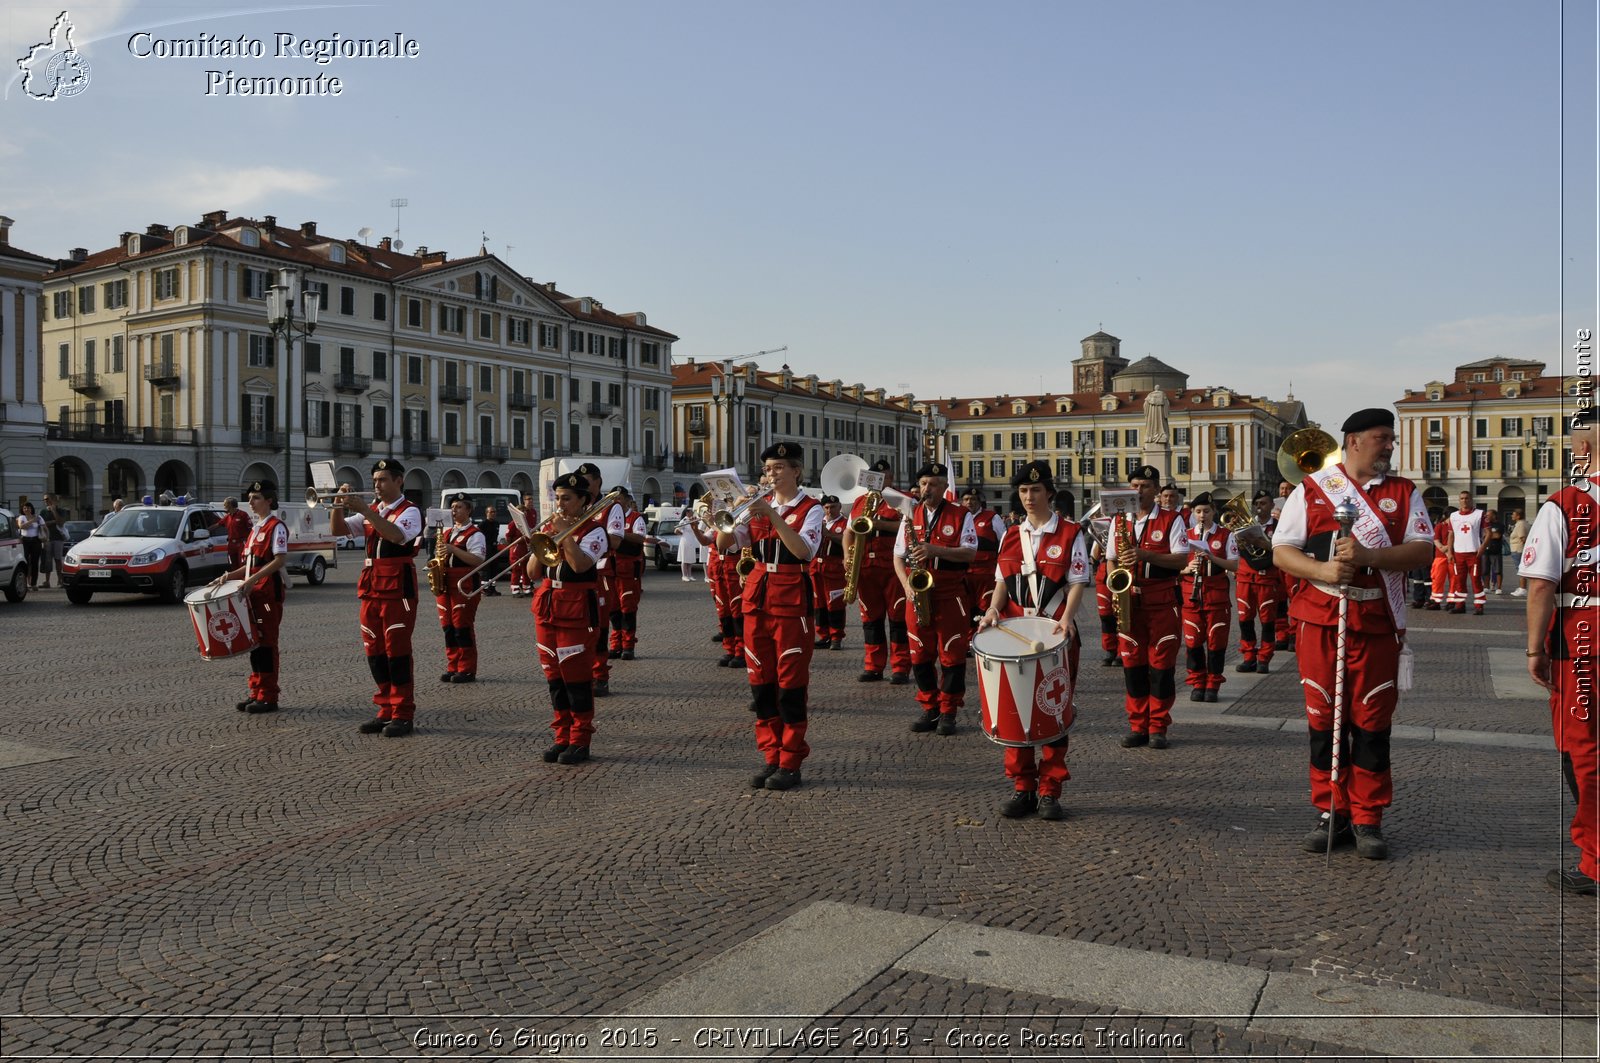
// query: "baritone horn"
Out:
[1233,513]
[547,548]
[1305,452]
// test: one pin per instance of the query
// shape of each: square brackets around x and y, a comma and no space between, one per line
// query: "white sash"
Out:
[1368,530]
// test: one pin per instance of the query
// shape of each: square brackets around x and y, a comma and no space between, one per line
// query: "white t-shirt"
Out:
[1467,529]
[1291,530]
[475,544]
[409,522]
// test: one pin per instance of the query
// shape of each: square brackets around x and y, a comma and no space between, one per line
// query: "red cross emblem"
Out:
[224,627]
[1054,695]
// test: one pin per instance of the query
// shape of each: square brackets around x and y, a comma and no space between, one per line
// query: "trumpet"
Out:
[1119,580]
[314,499]
[547,548]
[727,520]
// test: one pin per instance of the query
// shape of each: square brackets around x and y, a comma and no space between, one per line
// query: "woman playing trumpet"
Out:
[566,617]
[462,545]
[1041,569]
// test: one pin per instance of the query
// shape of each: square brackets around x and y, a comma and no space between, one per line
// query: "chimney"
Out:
[549,286]
[5,231]
[157,229]
[213,219]
[269,222]
[80,254]
[308,229]
[386,243]
[421,251]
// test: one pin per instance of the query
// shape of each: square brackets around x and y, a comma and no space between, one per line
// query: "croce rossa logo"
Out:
[55,69]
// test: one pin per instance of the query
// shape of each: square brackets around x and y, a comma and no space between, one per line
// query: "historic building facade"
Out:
[1494,429]
[160,371]
[22,459]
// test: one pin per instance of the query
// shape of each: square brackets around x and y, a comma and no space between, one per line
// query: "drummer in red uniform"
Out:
[939,540]
[827,577]
[784,532]
[566,612]
[265,551]
[1042,569]
[387,589]
[465,548]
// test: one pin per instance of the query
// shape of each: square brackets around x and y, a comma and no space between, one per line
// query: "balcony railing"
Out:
[352,382]
[420,448]
[493,452]
[1433,474]
[600,409]
[454,393]
[261,440]
[521,400]
[85,382]
[688,463]
[163,373]
[352,445]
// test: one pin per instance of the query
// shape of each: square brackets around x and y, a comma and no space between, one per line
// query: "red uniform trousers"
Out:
[1050,770]
[980,587]
[1149,657]
[628,584]
[1439,574]
[1106,609]
[564,632]
[1464,574]
[517,559]
[777,658]
[1205,633]
[457,614]
[386,625]
[267,610]
[827,590]
[1259,598]
[1372,662]
[882,602]
[723,579]
[1572,717]
[607,594]
[1283,631]
[939,654]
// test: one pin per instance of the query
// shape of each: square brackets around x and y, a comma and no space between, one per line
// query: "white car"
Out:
[13,565]
[162,550]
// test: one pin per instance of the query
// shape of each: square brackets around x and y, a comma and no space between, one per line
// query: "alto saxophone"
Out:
[860,528]
[1119,580]
[438,578]
[921,583]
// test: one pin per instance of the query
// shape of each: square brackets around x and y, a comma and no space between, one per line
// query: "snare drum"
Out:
[1027,695]
[222,622]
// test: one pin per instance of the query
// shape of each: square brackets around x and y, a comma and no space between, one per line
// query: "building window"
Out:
[574,341]
[261,352]
[995,440]
[451,319]
[380,306]
[116,293]
[574,389]
[253,284]
[1108,437]
[1019,441]
[380,423]
[614,348]
[1222,468]
[485,326]
[313,357]
[1063,439]
[1108,470]
[316,418]
[1547,425]
[166,347]
[1544,459]
[520,330]
[649,354]
[1510,426]
[380,366]
[1482,460]
[997,468]
[594,439]
[114,353]
[166,283]
[1511,462]
[414,313]
[485,378]
[616,441]
[547,384]
[414,369]
[452,429]
[1183,465]
[1017,464]
[322,293]
[1180,437]
[61,307]
[1064,468]
[1130,438]
[549,336]
[1435,429]
[957,468]
[347,300]
[519,433]
[1435,462]
[977,441]
[1480,428]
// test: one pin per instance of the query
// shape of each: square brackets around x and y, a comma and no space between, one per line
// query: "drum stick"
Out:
[1033,647]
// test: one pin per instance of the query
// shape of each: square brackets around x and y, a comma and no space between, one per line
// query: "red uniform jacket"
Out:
[945,531]
[780,584]
[1054,562]
[879,545]
[390,572]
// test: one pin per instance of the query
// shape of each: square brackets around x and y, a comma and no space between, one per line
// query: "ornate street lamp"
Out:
[286,327]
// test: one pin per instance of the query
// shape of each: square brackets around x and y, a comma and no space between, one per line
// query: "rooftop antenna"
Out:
[397,204]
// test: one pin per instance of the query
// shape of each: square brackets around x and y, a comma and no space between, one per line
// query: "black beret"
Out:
[830,500]
[1173,487]
[573,481]
[1201,499]
[1259,495]
[1033,472]
[880,466]
[589,469]
[1361,420]
[785,452]
[623,488]
[390,466]
[460,496]
[934,468]
[262,487]
[1145,472]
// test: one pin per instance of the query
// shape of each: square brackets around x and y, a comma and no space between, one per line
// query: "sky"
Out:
[1338,201]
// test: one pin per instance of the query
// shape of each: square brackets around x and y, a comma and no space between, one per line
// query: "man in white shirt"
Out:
[1466,544]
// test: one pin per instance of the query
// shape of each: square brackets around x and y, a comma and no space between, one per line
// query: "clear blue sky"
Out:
[1350,198]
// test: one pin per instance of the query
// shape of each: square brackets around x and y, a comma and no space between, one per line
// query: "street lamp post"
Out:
[1536,439]
[727,391]
[288,326]
[1085,447]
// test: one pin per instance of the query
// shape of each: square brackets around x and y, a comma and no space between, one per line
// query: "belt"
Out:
[1355,594]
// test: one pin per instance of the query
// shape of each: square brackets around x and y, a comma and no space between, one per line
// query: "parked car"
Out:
[13,568]
[350,542]
[661,543]
[160,550]
[78,530]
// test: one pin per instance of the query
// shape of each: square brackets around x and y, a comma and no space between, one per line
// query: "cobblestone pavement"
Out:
[180,879]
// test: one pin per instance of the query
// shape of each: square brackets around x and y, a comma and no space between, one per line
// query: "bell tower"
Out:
[1101,360]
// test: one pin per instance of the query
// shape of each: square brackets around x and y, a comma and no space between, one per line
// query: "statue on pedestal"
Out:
[1155,416]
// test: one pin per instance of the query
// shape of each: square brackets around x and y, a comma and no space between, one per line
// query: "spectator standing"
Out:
[31,528]
[1494,546]
[691,548]
[54,541]
[1516,538]
[238,526]
[490,527]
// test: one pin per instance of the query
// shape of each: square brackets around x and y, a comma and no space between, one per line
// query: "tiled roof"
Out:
[1539,387]
[1150,365]
[8,251]
[1087,404]
[687,376]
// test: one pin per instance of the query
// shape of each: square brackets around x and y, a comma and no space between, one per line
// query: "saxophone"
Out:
[1119,580]
[438,577]
[921,582]
[860,528]
[746,563]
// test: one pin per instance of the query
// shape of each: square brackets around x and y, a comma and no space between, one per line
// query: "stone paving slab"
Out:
[15,755]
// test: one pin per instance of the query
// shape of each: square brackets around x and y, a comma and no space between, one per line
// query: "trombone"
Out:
[547,548]
[461,584]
